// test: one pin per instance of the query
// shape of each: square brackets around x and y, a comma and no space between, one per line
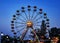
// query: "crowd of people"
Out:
[54,39]
[42,39]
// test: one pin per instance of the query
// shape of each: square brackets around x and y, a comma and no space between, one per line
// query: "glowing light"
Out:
[2,34]
[29,24]
[7,37]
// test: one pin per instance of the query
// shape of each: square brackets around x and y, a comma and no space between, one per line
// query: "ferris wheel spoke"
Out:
[20,22]
[20,30]
[36,16]
[23,17]
[39,21]
[26,15]
[29,14]
[36,25]
[32,14]
[20,26]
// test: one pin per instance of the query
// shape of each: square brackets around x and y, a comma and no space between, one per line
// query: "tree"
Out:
[43,28]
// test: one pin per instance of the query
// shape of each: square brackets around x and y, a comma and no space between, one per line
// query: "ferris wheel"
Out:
[28,18]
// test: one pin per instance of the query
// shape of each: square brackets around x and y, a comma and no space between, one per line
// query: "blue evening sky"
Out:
[9,7]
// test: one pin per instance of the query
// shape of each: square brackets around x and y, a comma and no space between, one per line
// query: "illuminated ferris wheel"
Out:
[28,18]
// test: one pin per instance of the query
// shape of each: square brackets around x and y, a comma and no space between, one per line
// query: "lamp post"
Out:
[2,34]
[1,40]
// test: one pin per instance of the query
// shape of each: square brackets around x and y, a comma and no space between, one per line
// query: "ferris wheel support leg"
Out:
[36,36]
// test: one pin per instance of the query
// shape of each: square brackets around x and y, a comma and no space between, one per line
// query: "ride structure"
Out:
[29,18]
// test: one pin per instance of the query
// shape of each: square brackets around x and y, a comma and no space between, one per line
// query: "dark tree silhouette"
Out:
[43,28]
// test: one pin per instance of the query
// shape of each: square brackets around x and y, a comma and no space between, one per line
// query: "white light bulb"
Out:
[2,34]
[7,37]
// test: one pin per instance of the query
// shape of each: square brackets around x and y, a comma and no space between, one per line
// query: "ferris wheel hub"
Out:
[29,24]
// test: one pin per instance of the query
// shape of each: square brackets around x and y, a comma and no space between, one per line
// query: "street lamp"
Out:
[2,34]
[7,37]
[1,40]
